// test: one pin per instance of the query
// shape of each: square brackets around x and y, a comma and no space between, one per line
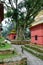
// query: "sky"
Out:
[20,0]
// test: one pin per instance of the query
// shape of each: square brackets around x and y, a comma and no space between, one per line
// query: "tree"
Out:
[32,7]
[26,17]
[16,14]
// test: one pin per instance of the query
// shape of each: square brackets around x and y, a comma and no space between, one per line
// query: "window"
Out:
[1,29]
[36,37]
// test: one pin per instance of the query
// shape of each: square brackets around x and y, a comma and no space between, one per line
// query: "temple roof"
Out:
[39,16]
[38,19]
[13,31]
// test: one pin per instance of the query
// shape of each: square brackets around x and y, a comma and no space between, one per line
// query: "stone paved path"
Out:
[31,59]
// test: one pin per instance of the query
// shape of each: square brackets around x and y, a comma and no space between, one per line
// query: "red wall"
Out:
[37,30]
[11,36]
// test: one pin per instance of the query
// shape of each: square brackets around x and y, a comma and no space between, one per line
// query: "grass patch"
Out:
[1,39]
[6,46]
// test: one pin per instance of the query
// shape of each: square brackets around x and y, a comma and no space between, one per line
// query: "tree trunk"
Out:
[20,34]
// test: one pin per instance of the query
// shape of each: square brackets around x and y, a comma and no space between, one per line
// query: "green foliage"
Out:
[9,13]
[14,15]
[32,7]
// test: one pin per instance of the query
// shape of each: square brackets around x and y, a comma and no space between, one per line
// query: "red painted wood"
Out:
[37,30]
[1,12]
[12,36]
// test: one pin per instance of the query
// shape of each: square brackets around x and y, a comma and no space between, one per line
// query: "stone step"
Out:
[35,53]
[34,48]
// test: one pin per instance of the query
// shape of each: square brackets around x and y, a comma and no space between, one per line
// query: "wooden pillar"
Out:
[1,12]
[1,16]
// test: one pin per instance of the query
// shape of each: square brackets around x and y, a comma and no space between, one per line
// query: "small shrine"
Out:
[12,35]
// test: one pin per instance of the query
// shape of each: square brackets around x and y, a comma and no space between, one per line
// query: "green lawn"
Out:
[2,39]
[6,46]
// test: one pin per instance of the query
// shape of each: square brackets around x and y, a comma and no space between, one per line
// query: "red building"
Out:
[12,35]
[37,29]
